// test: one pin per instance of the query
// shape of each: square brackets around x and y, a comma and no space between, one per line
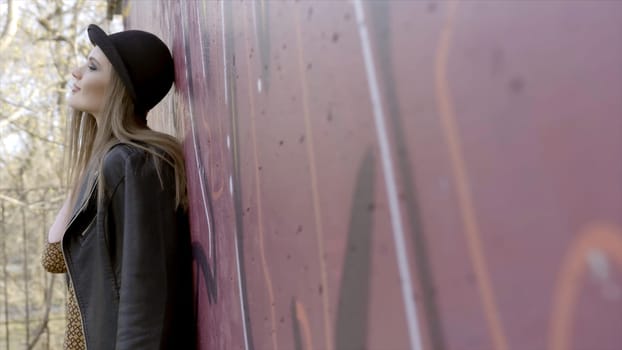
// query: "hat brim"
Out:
[100,39]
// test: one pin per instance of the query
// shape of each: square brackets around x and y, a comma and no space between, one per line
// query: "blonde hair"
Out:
[89,142]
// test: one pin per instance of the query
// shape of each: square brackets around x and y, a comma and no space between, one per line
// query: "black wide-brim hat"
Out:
[142,61]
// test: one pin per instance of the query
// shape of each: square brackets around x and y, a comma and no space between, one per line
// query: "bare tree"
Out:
[40,40]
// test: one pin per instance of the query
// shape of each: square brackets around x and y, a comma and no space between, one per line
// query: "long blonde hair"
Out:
[89,142]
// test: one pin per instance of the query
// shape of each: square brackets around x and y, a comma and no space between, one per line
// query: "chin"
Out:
[76,106]
[71,103]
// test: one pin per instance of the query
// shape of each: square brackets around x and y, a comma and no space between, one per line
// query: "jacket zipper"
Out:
[75,294]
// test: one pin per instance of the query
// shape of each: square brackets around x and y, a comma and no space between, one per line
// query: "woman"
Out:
[122,235]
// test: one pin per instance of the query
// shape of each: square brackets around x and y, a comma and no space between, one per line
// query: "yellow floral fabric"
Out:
[53,261]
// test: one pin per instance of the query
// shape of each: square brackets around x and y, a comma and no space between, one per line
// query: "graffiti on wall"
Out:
[400,175]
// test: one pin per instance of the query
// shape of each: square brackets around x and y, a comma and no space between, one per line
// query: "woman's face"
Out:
[92,79]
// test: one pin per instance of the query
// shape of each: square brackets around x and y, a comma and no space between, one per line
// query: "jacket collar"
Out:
[86,194]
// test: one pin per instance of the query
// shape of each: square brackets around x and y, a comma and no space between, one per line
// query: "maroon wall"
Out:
[401,174]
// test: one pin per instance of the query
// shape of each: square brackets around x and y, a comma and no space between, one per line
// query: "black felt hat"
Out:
[143,62]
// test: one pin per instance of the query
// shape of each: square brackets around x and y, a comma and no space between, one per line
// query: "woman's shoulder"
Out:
[124,156]
[120,154]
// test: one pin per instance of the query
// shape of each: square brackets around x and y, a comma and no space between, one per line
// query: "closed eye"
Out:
[92,64]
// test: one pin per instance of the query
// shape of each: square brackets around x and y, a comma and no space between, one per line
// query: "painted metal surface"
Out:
[400,174]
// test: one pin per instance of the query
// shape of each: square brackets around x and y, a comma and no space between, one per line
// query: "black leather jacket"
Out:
[130,258]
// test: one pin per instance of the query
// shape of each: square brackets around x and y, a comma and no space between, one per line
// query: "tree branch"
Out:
[10,27]
[46,316]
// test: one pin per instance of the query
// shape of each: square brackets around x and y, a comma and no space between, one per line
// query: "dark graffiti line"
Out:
[205,45]
[211,271]
[231,73]
[261,11]
[353,303]
[381,29]
[295,326]
[205,271]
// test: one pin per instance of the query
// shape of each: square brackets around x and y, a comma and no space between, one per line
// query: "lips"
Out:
[75,88]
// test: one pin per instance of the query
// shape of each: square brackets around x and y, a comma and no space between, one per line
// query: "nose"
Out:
[77,73]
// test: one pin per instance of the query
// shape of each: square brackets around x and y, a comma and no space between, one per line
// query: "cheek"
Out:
[94,93]
[97,89]
[98,94]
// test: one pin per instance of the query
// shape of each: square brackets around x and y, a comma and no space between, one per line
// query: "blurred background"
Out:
[39,42]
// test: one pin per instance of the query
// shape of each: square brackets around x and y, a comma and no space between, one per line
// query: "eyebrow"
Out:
[92,59]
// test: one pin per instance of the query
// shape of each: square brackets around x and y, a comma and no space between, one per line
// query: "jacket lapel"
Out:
[87,193]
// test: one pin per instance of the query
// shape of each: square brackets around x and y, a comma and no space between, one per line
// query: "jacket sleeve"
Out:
[144,238]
